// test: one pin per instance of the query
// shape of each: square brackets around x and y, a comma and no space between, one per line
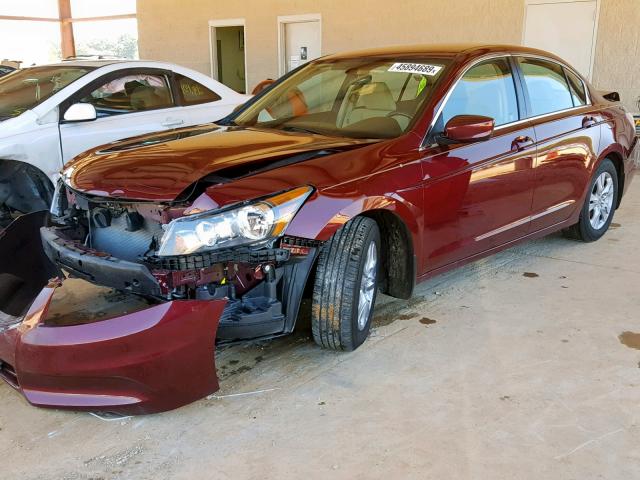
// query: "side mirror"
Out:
[468,129]
[80,112]
[612,96]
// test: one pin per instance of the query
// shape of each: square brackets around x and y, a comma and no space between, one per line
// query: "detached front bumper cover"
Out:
[153,360]
[149,357]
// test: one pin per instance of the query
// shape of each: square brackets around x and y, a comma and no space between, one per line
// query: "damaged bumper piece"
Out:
[139,349]
[148,361]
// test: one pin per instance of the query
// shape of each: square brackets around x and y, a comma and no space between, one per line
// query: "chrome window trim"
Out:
[542,115]
[492,56]
[566,67]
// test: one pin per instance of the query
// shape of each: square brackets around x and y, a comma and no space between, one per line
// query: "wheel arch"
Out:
[397,219]
[614,153]
[398,259]
[22,182]
[618,162]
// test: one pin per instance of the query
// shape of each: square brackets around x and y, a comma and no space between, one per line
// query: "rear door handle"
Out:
[521,142]
[172,122]
[588,122]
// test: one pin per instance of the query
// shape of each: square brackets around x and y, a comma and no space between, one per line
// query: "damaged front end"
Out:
[189,278]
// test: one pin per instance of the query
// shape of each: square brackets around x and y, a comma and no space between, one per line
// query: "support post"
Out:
[66,29]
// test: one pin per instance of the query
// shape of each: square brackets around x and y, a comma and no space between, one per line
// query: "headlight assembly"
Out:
[59,202]
[252,223]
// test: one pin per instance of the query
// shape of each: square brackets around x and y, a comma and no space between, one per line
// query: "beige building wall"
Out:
[178,31]
[617,56]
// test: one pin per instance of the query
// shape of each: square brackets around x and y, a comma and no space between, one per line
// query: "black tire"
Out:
[336,290]
[583,230]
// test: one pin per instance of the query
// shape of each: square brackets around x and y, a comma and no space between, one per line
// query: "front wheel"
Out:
[345,286]
[599,206]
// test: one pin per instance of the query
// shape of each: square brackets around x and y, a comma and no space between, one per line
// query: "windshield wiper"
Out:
[294,128]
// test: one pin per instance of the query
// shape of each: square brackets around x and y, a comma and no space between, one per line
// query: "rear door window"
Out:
[131,93]
[486,89]
[546,85]
[194,93]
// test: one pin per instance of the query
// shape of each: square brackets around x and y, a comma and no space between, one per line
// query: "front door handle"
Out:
[521,142]
[588,122]
[172,122]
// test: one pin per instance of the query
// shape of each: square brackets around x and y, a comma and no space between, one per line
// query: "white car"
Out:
[51,113]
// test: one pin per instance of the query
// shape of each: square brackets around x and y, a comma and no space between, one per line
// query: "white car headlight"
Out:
[249,224]
[56,206]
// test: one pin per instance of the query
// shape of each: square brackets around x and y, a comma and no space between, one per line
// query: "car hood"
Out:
[161,166]
[10,126]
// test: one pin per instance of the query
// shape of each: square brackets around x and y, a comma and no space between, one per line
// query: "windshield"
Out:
[359,98]
[24,89]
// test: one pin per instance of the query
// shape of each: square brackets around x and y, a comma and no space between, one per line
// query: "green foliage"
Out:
[125,46]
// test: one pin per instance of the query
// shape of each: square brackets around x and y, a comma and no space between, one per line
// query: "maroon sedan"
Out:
[355,173]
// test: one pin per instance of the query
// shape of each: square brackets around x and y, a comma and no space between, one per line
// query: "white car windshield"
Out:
[24,89]
[359,98]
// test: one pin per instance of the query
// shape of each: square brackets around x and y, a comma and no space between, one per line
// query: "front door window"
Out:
[131,93]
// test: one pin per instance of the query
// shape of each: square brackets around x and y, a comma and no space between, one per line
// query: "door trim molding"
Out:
[213,54]
[525,220]
[281,22]
[596,21]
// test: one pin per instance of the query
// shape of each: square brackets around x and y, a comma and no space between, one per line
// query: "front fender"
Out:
[324,213]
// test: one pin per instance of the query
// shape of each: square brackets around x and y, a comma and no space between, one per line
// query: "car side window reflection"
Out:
[319,92]
[194,93]
[547,86]
[131,93]
[577,89]
[486,89]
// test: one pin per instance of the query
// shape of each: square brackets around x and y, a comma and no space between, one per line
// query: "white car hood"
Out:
[16,125]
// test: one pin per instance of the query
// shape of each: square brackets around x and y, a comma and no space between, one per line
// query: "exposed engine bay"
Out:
[133,247]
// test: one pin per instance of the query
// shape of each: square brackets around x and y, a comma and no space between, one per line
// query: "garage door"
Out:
[567,29]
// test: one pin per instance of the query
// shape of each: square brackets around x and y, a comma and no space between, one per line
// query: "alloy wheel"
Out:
[601,200]
[367,285]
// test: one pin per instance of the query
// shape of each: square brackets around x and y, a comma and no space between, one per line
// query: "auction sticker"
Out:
[420,68]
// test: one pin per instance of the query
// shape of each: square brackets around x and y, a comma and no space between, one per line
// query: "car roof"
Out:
[97,63]
[445,50]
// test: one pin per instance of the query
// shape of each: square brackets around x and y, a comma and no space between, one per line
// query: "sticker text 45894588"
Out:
[420,68]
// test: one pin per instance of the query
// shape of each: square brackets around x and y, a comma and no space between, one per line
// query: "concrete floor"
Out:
[509,368]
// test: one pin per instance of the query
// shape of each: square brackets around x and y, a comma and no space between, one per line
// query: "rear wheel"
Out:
[599,206]
[345,286]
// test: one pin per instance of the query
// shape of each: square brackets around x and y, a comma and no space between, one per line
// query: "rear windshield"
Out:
[25,89]
[359,98]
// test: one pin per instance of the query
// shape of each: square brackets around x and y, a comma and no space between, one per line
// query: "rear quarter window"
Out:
[194,93]
[577,89]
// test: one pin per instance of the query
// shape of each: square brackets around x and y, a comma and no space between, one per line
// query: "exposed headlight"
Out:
[59,200]
[249,224]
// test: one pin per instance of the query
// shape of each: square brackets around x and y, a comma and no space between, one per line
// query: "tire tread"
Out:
[336,283]
[582,230]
